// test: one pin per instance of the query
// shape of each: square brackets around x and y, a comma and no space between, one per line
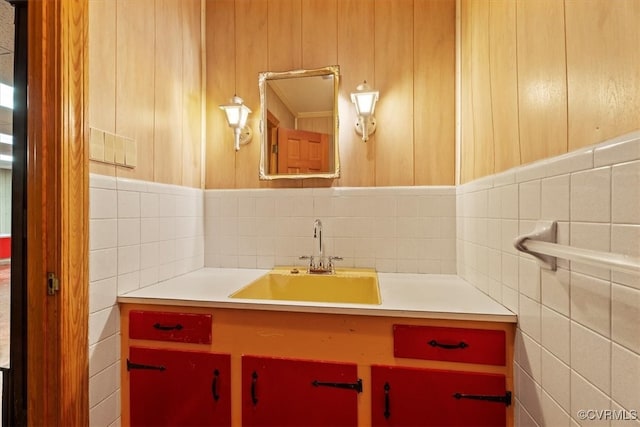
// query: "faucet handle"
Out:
[310,258]
[331,259]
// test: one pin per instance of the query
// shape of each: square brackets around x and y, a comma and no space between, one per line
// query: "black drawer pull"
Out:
[357,386]
[506,399]
[461,345]
[214,385]
[160,327]
[254,382]
[131,365]
[387,412]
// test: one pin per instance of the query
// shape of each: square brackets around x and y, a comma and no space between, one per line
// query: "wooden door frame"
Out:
[57,213]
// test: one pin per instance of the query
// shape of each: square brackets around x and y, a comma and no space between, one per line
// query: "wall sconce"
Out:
[237,114]
[365,99]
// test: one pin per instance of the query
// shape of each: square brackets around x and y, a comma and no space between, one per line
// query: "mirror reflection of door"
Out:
[301,151]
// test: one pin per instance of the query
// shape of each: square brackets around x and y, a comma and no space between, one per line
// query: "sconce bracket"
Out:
[370,125]
[245,135]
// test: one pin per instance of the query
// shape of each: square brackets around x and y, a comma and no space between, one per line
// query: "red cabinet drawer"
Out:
[165,326]
[450,344]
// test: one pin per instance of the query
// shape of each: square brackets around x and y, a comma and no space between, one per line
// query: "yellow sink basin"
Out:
[355,286]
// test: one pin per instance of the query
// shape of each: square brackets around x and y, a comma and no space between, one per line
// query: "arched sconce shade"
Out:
[237,114]
[365,98]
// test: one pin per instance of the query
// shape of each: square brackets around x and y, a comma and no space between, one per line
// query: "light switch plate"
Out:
[96,145]
[109,146]
[130,153]
[119,150]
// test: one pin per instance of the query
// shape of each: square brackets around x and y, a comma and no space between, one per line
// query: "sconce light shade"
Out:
[237,114]
[364,98]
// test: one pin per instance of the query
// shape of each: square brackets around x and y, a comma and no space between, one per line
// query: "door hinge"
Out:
[53,284]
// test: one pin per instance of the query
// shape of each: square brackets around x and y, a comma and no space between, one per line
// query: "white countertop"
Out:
[435,296]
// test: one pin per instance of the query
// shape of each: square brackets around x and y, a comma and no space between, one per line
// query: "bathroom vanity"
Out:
[435,351]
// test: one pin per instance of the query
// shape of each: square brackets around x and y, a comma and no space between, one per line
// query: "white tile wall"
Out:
[577,343]
[394,229]
[140,233]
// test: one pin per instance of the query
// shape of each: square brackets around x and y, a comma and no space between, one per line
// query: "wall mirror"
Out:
[299,124]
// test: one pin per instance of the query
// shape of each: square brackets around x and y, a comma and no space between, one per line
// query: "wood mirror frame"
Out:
[299,124]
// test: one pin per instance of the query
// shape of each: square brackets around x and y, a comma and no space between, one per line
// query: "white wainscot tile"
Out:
[102,181]
[167,228]
[149,230]
[625,316]
[407,206]
[556,334]
[149,205]
[591,356]
[556,379]
[555,198]
[552,412]
[103,354]
[555,290]
[530,395]
[107,412]
[167,251]
[103,263]
[167,205]
[103,384]
[590,302]
[618,150]
[510,298]
[529,278]
[626,193]
[409,227]
[571,162]
[494,203]
[585,396]
[625,387]
[529,317]
[128,259]
[103,234]
[128,231]
[510,231]
[128,282]
[591,236]
[529,200]
[102,294]
[625,239]
[591,195]
[128,204]
[103,203]
[510,270]
[103,324]
[510,204]
[530,358]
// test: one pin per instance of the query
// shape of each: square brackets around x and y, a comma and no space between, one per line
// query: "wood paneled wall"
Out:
[543,77]
[145,75]
[404,48]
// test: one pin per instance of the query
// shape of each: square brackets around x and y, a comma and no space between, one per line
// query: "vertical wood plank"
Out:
[192,94]
[284,35]
[356,60]
[167,154]
[504,83]
[221,72]
[393,74]
[603,69]
[319,33]
[481,90]
[102,72]
[251,48]
[542,89]
[434,91]
[135,91]
[466,70]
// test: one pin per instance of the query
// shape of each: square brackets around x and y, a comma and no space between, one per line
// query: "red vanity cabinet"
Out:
[175,387]
[290,392]
[427,397]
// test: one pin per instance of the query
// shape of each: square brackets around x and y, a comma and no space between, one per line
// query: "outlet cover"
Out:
[96,145]
[109,146]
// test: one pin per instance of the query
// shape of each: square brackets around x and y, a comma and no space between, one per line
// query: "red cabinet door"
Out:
[426,397]
[287,392]
[185,388]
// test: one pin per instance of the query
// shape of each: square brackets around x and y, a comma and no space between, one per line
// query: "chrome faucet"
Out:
[320,264]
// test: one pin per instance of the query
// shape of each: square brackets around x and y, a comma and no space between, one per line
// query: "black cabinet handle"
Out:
[387,412]
[357,386]
[160,327]
[214,385]
[461,345]
[254,382]
[506,399]
[131,365]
